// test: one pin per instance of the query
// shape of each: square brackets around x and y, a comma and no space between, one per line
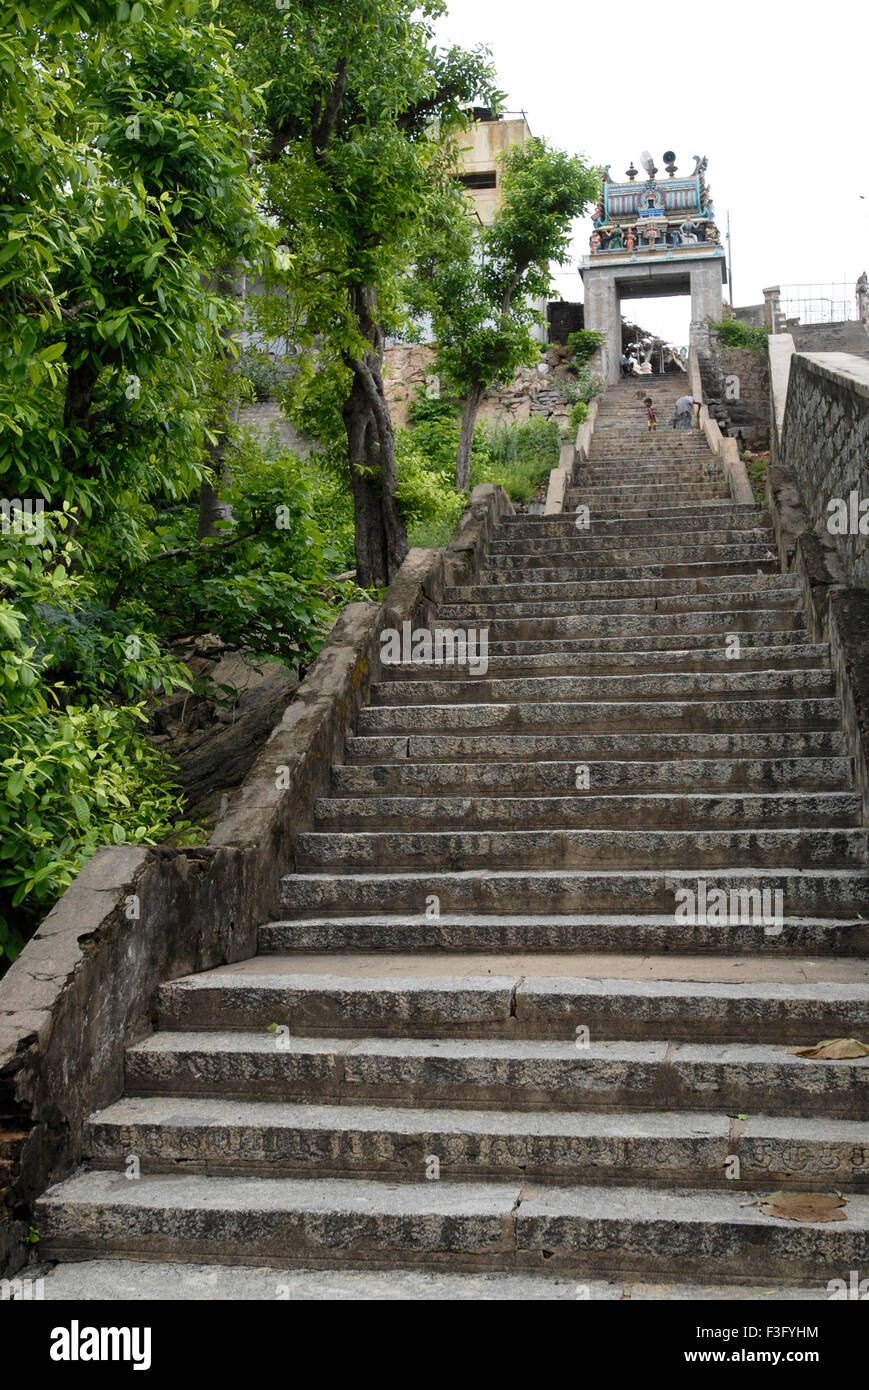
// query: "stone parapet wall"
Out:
[825,444]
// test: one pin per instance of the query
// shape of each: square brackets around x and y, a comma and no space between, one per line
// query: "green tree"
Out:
[481,288]
[123,183]
[355,150]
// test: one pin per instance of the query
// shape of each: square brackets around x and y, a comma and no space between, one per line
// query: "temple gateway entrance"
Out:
[652,240]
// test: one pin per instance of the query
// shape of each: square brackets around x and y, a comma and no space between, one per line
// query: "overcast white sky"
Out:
[772,91]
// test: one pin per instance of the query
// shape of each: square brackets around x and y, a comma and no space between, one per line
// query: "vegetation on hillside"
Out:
[152,156]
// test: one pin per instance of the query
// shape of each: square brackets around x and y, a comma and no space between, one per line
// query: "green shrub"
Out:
[518,456]
[584,386]
[584,343]
[260,372]
[733,333]
[76,769]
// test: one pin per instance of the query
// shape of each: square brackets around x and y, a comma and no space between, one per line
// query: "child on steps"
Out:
[651,413]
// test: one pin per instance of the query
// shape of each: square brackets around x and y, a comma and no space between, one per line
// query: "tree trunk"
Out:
[211,509]
[380,537]
[77,401]
[369,540]
[227,282]
[466,437]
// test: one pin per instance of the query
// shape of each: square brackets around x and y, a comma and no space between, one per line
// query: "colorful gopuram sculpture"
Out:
[655,216]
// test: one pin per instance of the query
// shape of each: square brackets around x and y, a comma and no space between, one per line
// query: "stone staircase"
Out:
[501,1060]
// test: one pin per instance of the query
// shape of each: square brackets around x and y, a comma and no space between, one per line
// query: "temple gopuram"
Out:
[653,237]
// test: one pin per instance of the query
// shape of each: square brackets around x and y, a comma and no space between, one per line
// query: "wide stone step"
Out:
[475,1225]
[636,584]
[525,1074]
[686,809]
[609,563]
[536,778]
[582,849]
[585,568]
[271,989]
[598,716]
[645,685]
[709,642]
[280,1139]
[156,1280]
[636,596]
[805,892]
[612,498]
[699,609]
[629,596]
[565,663]
[594,624]
[615,472]
[620,473]
[486,749]
[593,547]
[712,512]
[623,460]
[751,930]
[517,533]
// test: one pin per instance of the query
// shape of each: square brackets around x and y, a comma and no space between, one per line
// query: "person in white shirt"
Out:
[683,413]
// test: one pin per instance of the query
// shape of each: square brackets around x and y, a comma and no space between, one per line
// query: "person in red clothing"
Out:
[651,413]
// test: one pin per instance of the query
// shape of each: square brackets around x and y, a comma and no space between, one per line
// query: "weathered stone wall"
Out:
[267,417]
[825,444]
[534,391]
[752,315]
[406,368]
[725,370]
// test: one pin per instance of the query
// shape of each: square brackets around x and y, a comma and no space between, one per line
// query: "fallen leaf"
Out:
[833,1049]
[804,1206]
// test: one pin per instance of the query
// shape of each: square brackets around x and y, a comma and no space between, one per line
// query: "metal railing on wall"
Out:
[835,303]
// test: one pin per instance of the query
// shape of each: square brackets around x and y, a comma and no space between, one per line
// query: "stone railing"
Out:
[570,455]
[85,986]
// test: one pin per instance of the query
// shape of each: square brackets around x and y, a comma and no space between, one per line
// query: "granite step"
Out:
[805,892]
[464,848]
[409,934]
[645,686]
[596,716]
[275,1138]
[538,777]
[690,1233]
[749,657]
[481,750]
[156,1280]
[274,990]
[524,1074]
[592,809]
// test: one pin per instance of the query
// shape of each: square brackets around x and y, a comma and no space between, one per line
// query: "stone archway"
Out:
[700,275]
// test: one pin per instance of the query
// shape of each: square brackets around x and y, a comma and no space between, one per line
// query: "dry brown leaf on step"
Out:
[833,1049]
[804,1206]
